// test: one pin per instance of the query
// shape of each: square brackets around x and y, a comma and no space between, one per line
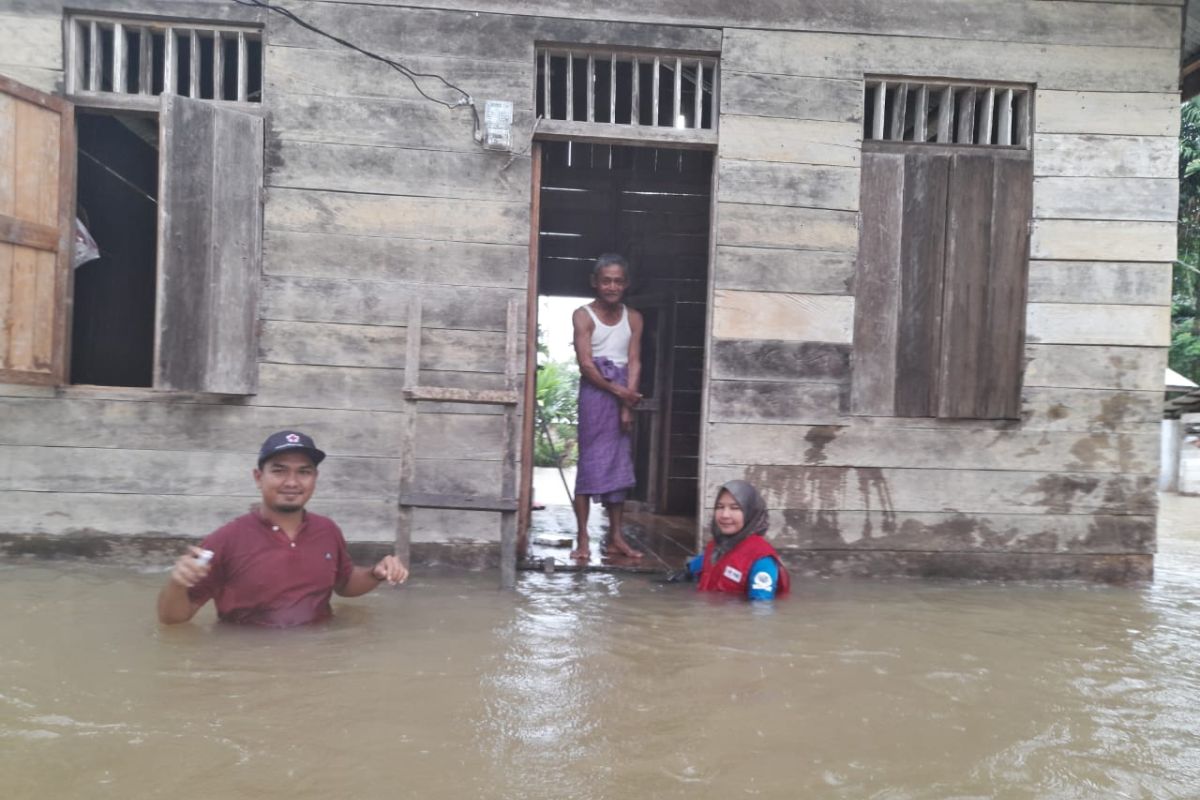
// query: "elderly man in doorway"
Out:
[278,565]
[608,341]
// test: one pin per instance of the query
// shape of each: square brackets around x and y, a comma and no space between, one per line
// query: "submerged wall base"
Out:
[141,551]
[1105,568]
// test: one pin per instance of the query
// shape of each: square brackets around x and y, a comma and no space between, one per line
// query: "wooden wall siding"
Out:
[788,317]
[1106,283]
[1155,26]
[32,52]
[1104,161]
[1074,475]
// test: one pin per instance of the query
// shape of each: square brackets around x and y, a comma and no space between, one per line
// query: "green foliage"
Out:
[558,411]
[1185,284]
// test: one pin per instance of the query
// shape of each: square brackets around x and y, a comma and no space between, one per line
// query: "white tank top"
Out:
[611,341]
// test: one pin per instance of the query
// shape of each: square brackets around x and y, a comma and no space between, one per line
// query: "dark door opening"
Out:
[651,205]
[112,332]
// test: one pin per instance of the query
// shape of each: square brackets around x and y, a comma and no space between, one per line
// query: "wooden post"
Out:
[546,85]
[408,444]
[612,89]
[508,468]
[698,104]
[899,111]
[525,498]
[878,122]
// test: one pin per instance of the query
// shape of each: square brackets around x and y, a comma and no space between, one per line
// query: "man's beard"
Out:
[287,508]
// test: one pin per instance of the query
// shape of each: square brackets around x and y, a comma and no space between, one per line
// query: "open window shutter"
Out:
[37,211]
[210,246]
[987,264]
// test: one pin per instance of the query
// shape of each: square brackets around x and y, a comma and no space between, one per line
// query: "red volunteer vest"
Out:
[732,572]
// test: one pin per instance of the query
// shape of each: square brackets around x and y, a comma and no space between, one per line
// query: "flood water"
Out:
[610,686]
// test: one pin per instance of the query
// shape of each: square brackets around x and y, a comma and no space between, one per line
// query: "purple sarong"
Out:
[605,453]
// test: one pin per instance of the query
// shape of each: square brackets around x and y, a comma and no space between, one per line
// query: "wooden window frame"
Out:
[82,71]
[196,358]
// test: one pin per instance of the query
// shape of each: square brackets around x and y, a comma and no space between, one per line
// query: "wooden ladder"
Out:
[508,398]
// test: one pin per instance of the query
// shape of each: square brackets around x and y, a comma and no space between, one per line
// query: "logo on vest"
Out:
[762,580]
[733,574]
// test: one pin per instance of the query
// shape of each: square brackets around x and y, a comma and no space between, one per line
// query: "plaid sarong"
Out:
[605,453]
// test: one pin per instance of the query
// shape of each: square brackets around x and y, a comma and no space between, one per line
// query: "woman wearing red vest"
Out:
[739,558]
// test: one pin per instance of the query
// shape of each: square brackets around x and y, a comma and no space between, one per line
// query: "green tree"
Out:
[558,412]
[1185,284]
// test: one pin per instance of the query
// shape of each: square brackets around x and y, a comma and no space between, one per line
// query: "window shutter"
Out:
[941,284]
[210,247]
[37,211]
[987,264]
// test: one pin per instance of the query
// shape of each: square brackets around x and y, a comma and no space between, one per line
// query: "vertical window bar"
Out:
[1005,129]
[612,89]
[546,85]
[75,77]
[1022,119]
[242,67]
[716,94]
[698,104]
[946,116]
[654,97]
[170,66]
[966,116]
[921,115]
[145,61]
[194,64]
[675,101]
[118,59]
[570,86]
[880,101]
[218,81]
[635,100]
[899,107]
[985,120]
[591,88]
[97,57]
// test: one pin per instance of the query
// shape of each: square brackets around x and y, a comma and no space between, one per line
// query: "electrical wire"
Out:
[411,74]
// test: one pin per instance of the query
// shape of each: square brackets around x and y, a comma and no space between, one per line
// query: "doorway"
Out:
[651,205]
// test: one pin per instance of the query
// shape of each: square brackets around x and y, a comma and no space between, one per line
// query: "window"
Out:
[170,187]
[601,94]
[943,255]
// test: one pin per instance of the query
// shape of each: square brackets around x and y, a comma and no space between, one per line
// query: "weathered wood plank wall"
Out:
[374,194]
[1075,473]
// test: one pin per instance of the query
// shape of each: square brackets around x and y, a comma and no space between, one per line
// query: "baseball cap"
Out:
[283,441]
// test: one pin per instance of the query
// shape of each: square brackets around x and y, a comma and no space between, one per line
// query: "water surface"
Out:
[609,686]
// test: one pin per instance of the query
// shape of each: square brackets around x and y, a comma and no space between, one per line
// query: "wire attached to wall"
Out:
[464,100]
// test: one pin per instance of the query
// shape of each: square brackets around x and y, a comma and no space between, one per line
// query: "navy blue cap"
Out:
[284,441]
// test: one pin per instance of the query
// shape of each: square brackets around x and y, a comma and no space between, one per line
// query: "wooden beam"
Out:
[462,502]
[446,394]
[28,234]
[627,134]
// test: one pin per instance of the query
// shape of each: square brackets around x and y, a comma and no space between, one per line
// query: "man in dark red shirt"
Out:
[279,564]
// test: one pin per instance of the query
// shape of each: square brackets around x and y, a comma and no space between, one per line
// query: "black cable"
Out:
[412,75]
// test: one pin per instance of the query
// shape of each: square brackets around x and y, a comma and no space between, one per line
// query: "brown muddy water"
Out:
[610,686]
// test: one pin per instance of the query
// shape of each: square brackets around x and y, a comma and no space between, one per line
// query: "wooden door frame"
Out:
[529,403]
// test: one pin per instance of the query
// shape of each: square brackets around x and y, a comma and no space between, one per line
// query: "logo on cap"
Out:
[293,438]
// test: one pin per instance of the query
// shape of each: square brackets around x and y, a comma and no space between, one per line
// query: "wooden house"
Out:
[905,263]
